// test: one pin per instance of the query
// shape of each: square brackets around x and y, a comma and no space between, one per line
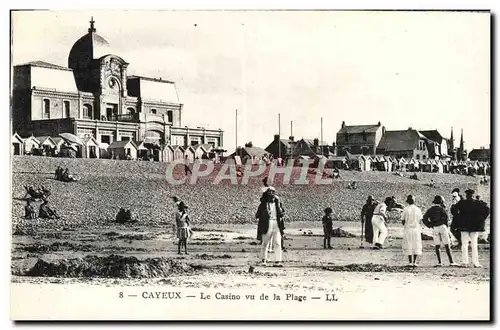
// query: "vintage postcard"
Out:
[250,165]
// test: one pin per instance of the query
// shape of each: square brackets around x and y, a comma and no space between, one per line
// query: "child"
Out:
[183,227]
[327,227]
[437,219]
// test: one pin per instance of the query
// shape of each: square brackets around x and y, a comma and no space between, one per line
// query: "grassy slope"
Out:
[107,185]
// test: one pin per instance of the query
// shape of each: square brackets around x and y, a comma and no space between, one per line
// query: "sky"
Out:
[425,70]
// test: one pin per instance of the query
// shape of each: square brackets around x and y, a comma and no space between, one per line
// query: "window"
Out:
[105,139]
[87,111]
[46,108]
[424,157]
[418,157]
[170,116]
[130,111]
[125,138]
[66,109]
[153,111]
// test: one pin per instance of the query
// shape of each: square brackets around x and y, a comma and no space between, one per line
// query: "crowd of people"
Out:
[467,222]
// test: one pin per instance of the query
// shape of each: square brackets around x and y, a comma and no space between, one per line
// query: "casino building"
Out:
[95,97]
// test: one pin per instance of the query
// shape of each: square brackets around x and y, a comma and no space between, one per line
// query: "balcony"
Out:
[129,118]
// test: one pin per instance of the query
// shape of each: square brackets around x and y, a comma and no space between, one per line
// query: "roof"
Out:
[89,140]
[400,140]
[337,158]
[358,129]
[17,137]
[121,144]
[205,146]
[433,135]
[150,79]
[253,152]
[356,156]
[177,147]
[477,154]
[43,139]
[58,139]
[47,65]
[310,142]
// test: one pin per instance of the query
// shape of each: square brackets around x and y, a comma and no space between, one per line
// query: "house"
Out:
[359,139]
[283,148]
[253,154]
[31,144]
[408,144]
[308,147]
[123,150]
[438,148]
[17,144]
[90,148]
[96,95]
[483,155]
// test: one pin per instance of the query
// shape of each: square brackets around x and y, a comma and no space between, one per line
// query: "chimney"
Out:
[379,124]
[383,130]
[316,142]
[276,137]
[409,128]
[291,138]
[343,124]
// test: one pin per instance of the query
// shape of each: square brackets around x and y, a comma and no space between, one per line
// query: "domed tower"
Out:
[98,71]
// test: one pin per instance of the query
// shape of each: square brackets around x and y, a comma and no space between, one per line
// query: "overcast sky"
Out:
[413,69]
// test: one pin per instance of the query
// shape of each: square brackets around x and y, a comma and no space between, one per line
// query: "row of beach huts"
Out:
[68,145]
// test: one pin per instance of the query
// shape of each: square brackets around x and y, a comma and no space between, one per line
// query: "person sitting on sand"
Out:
[183,227]
[432,184]
[412,238]
[45,212]
[436,218]
[29,210]
[327,221]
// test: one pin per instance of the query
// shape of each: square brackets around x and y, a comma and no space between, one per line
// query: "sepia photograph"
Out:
[250,165]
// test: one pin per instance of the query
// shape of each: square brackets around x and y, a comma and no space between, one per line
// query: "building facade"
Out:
[95,97]
[359,139]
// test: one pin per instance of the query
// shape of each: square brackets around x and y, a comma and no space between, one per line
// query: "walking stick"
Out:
[362,233]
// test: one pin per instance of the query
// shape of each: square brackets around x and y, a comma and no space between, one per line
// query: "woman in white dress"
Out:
[412,239]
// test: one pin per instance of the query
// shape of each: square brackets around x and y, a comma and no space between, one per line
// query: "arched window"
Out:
[418,157]
[87,111]
[153,111]
[46,109]
[170,116]
[130,111]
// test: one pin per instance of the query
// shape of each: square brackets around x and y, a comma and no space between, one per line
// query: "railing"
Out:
[125,118]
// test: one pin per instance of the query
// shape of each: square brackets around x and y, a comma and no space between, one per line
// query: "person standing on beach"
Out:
[183,230]
[436,218]
[412,239]
[366,219]
[327,221]
[472,216]
[455,198]
[378,223]
[270,213]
